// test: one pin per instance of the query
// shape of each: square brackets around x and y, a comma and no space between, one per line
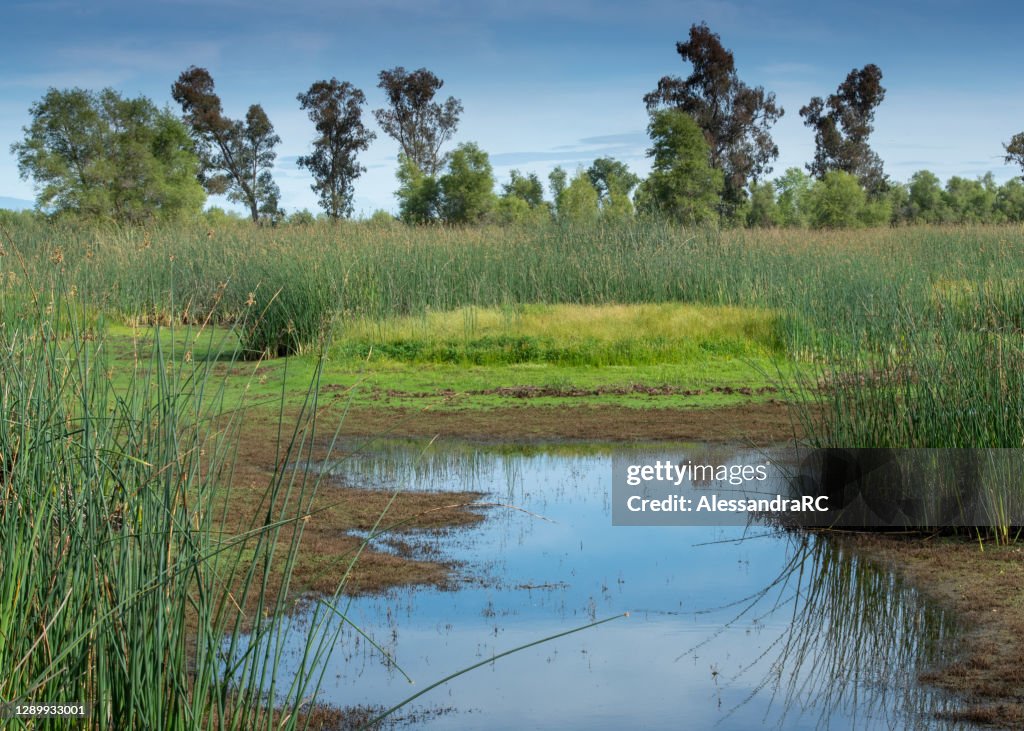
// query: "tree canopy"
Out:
[101,155]
[236,155]
[735,118]
[1015,149]
[842,125]
[467,188]
[682,183]
[335,108]
[419,124]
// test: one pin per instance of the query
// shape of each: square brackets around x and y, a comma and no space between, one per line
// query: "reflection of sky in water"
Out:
[676,662]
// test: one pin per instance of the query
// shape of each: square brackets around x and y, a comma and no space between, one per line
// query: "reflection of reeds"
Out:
[854,646]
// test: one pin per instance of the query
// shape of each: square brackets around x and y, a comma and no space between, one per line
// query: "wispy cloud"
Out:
[623,145]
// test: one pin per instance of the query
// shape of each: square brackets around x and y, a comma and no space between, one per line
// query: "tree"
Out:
[419,196]
[1015,149]
[791,202]
[101,155]
[971,201]
[925,198]
[578,203]
[610,176]
[1010,201]
[335,108]
[236,156]
[525,187]
[614,182]
[735,118]
[842,125]
[467,189]
[557,180]
[763,211]
[419,124]
[522,200]
[836,201]
[682,183]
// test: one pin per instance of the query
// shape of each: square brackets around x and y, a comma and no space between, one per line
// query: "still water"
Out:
[728,628]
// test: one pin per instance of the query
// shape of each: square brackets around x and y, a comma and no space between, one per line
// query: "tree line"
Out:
[104,156]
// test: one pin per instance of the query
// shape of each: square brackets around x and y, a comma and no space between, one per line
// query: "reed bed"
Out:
[117,589]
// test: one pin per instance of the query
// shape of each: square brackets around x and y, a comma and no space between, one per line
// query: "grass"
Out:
[566,334]
[925,316]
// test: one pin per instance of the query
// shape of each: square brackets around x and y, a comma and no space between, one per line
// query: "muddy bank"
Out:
[760,424]
[333,523]
[983,584]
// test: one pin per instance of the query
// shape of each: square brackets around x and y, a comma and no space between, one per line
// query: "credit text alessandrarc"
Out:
[735,475]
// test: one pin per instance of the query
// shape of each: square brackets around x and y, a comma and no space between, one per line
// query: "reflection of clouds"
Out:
[798,631]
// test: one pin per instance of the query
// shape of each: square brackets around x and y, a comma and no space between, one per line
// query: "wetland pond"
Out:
[728,627]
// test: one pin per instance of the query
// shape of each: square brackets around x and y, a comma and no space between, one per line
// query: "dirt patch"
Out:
[983,584]
[527,392]
[760,424]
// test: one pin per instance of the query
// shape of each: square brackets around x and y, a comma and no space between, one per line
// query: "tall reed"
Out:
[117,588]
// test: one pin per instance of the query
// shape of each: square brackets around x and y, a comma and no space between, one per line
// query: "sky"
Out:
[542,83]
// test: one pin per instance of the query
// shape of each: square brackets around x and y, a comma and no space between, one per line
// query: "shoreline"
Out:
[982,584]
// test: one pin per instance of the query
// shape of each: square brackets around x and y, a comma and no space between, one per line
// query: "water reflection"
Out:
[730,628]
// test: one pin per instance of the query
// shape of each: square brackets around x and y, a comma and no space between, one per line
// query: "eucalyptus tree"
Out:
[335,108]
[236,155]
[735,119]
[418,123]
[842,124]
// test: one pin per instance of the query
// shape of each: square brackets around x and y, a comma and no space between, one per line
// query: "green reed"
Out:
[117,587]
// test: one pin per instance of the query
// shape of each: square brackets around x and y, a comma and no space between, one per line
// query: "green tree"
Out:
[304,217]
[971,201]
[467,189]
[335,108]
[614,182]
[682,184]
[610,176]
[527,188]
[736,119]
[578,203]
[898,201]
[522,200]
[1010,200]
[836,201]
[1015,149]
[236,155]
[763,211]
[419,124]
[104,156]
[927,204]
[557,180]
[842,125]
[791,202]
[419,196]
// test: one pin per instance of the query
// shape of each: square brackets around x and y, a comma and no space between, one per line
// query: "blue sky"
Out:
[543,83]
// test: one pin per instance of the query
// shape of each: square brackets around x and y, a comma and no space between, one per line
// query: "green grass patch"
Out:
[571,335]
[660,355]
